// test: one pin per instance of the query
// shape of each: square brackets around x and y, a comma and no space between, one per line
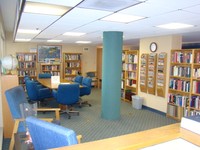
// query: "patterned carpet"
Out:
[92,127]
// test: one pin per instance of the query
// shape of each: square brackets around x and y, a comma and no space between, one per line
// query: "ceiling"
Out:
[86,17]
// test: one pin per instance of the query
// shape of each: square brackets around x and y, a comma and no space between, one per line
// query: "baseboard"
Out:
[153,110]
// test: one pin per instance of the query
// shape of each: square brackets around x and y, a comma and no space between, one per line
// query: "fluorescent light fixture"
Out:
[175,26]
[22,40]
[74,33]
[28,31]
[83,42]
[123,18]
[55,41]
[46,9]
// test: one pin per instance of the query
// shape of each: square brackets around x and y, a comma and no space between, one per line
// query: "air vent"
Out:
[85,48]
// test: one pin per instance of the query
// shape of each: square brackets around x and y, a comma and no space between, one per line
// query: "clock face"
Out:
[153,47]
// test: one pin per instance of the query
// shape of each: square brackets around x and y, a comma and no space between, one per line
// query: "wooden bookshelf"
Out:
[27,65]
[143,72]
[71,65]
[179,92]
[129,74]
[53,68]
[161,74]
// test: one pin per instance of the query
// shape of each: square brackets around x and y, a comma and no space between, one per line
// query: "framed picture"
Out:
[49,52]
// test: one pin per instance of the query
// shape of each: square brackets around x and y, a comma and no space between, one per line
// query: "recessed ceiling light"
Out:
[22,40]
[55,41]
[175,26]
[28,31]
[123,18]
[83,42]
[74,33]
[47,9]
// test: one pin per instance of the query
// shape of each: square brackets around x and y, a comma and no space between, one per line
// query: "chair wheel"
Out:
[69,117]
[90,105]
[80,106]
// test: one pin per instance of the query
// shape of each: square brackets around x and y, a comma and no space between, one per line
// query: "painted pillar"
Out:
[111,75]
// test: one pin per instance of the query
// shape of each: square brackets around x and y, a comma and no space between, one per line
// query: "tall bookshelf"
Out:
[52,68]
[180,80]
[71,65]
[129,74]
[27,65]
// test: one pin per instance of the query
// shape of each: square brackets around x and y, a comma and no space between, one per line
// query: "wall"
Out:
[165,44]
[88,57]
[2,49]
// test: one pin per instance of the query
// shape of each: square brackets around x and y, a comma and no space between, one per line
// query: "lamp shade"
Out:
[9,62]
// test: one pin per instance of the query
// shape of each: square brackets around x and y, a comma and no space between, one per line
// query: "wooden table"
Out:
[139,140]
[47,83]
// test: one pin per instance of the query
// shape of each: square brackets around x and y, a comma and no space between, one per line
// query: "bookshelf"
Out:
[161,74]
[27,65]
[195,90]
[71,65]
[53,68]
[179,92]
[129,74]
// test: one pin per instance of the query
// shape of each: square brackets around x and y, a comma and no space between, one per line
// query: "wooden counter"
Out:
[138,140]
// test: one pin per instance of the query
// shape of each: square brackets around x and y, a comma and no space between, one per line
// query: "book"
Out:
[191,123]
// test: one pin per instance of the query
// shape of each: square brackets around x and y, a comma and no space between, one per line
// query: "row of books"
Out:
[196,87]
[73,57]
[131,82]
[132,58]
[27,72]
[71,72]
[178,100]
[51,67]
[182,57]
[27,65]
[129,67]
[197,57]
[180,71]
[132,75]
[26,57]
[195,102]
[180,85]
[196,73]
[73,64]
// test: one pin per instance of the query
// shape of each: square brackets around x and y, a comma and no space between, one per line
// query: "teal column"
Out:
[111,75]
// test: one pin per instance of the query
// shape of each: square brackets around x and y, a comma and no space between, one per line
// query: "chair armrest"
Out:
[79,138]
[51,109]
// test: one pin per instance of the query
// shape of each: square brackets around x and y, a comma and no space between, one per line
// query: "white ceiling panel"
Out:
[71,3]
[194,9]
[36,21]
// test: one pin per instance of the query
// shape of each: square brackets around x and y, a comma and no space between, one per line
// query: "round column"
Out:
[111,75]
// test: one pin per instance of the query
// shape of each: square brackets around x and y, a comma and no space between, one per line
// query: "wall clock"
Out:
[153,47]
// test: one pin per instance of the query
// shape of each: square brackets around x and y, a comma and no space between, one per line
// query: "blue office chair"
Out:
[16,96]
[47,135]
[37,93]
[68,95]
[78,79]
[44,75]
[85,90]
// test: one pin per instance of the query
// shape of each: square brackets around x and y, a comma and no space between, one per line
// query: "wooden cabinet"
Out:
[179,93]
[52,68]
[71,65]
[129,74]
[7,82]
[27,65]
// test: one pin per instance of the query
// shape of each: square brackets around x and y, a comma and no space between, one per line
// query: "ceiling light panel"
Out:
[175,26]
[47,9]
[107,5]
[36,21]
[70,3]
[54,41]
[117,17]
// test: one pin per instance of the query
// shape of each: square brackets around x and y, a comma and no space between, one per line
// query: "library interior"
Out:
[102,64]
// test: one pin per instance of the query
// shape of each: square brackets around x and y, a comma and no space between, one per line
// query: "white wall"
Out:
[165,44]
[88,57]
